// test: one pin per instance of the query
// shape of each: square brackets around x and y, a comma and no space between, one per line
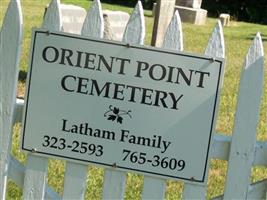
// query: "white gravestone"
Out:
[72,18]
[191,11]
[189,3]
[163,15]
[115,23]
[225,19]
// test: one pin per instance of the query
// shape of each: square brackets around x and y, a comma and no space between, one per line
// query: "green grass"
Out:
[238,38]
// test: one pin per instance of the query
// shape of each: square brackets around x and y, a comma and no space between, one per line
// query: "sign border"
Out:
[153,49]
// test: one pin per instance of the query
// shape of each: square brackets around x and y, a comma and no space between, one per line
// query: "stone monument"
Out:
[190,11]
[225,19]
[163,14]
[115,24]
[72,18]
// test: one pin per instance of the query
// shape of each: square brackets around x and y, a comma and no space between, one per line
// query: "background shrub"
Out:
[241,10]
[147,4]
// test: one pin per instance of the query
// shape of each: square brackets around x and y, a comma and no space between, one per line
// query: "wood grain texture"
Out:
[114,184]
[16,172]
[75,181]
[174,35]
[135,29]
[260,157]
[18,110]
[10,46]
[50,194]
[52,19]
[194,191]
[36,168]
[245,127]
[114,181]
[35,178]
[215,48]
[76,174]
[94,23]
[163,14]
[220,147]
[154,188]
[256,191]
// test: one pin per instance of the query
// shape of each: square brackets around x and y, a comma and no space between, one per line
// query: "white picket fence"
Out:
[242,151]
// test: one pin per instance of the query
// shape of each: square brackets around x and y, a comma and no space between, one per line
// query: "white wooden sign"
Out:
[135,108]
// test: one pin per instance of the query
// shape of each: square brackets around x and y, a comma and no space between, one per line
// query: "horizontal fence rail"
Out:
[220,148]
[10,46]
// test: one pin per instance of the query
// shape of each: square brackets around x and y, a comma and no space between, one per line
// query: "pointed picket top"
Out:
[10,45]
[76,174]
[216,47]
[243,143]
[94,23]
[52,20]
[135,30]
[36,167]
[174,35]
[115,181]
[255,51]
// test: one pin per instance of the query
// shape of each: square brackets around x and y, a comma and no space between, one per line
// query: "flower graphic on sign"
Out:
[115,114]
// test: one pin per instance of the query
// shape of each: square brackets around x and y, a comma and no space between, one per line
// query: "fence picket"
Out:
[245,128]
[94,23]
[257,190]
[114,184]
[10,39]
[16,172]
[76,174]
[114,181]
[155,188]
[135,29]
[35,178]
[17,115]
[52,19]
[194,191]
[50,194]
[260,157]
[220,147]
[174,35]
[215,48]
[36,169]
[75,181]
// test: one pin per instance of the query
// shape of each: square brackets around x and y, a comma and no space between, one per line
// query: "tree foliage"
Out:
[241,10]
[147,4]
